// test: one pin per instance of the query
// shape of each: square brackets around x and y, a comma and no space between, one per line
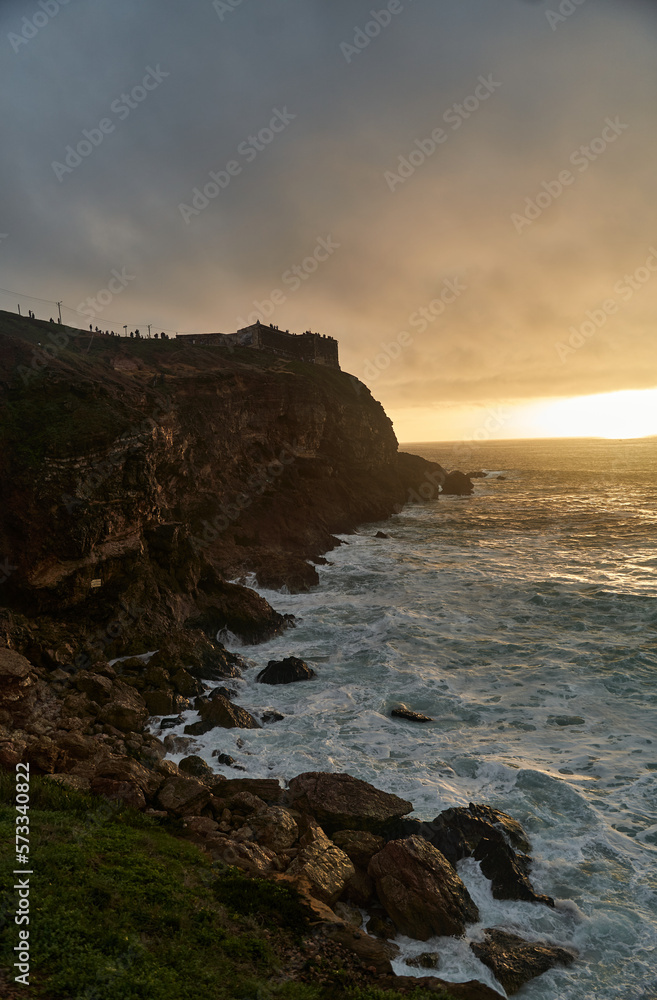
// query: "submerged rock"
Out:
[514,961]
[420,890]
[271,716]
[285,671]
[425,960]
[381,534]
[405,713]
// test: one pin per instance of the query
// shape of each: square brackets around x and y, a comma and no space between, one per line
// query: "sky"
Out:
[462,192]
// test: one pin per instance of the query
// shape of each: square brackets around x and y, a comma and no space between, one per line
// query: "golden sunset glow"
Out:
[630,413]
[625,414]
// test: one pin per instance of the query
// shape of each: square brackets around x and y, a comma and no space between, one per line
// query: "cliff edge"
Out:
[153,471]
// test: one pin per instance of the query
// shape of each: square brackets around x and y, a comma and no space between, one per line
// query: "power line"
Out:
[60,305]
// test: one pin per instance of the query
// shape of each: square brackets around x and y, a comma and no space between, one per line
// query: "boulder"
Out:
[374,954]
[341,802]
[514,961]
[420,890]
[186,685]
[267,789]
[127,769]
[324,867]
[507,871]
[286,671]
[183,796]
[97,687]
[476,475]
[250,857]
[494,838]
[242,801]
[220,712]
[275,828]
[202,826]
[41,753]
[359,890]
[456,832]
[405,713]
[271,716]
[472,990]
[241,611]
[381,534]
[160,702]
[425,960]
[457,484]
[359,846]
[195,766]
[125,792]
[17,686]
[126,709]
[74,746]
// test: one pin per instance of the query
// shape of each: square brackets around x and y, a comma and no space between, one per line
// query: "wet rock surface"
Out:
[405,713]
[286,671]
[514,961]
[420,890]
[339,801]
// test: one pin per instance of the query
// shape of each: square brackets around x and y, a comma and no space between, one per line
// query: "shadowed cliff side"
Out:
[153,471]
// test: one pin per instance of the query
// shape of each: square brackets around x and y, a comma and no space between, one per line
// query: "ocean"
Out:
[523,620]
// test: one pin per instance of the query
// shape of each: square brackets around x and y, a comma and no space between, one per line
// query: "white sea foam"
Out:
[522,620]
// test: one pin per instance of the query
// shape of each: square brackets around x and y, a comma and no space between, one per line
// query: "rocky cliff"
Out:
[150,472]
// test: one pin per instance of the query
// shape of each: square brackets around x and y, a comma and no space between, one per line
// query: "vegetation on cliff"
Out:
[126,910]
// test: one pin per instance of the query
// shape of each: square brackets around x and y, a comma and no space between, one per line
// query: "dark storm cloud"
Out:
[221,75]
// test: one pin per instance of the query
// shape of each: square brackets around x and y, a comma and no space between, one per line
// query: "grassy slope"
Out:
[122,909]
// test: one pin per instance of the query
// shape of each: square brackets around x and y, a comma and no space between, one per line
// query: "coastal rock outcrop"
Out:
[285,671]
[219,711]
[514,961]
[494,838]
[341,802]
[420,890]
[405,713]
[457,484]
[323,866]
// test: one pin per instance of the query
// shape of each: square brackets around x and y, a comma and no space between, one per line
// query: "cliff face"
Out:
[152,471]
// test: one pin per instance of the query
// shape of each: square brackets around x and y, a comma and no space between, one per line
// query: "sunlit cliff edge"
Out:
[154,471]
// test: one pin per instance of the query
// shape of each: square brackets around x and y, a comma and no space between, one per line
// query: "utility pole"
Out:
[149,330]
[125,328]
[59,306]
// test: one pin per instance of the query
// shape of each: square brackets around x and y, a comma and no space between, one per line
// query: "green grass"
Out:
[121,909]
